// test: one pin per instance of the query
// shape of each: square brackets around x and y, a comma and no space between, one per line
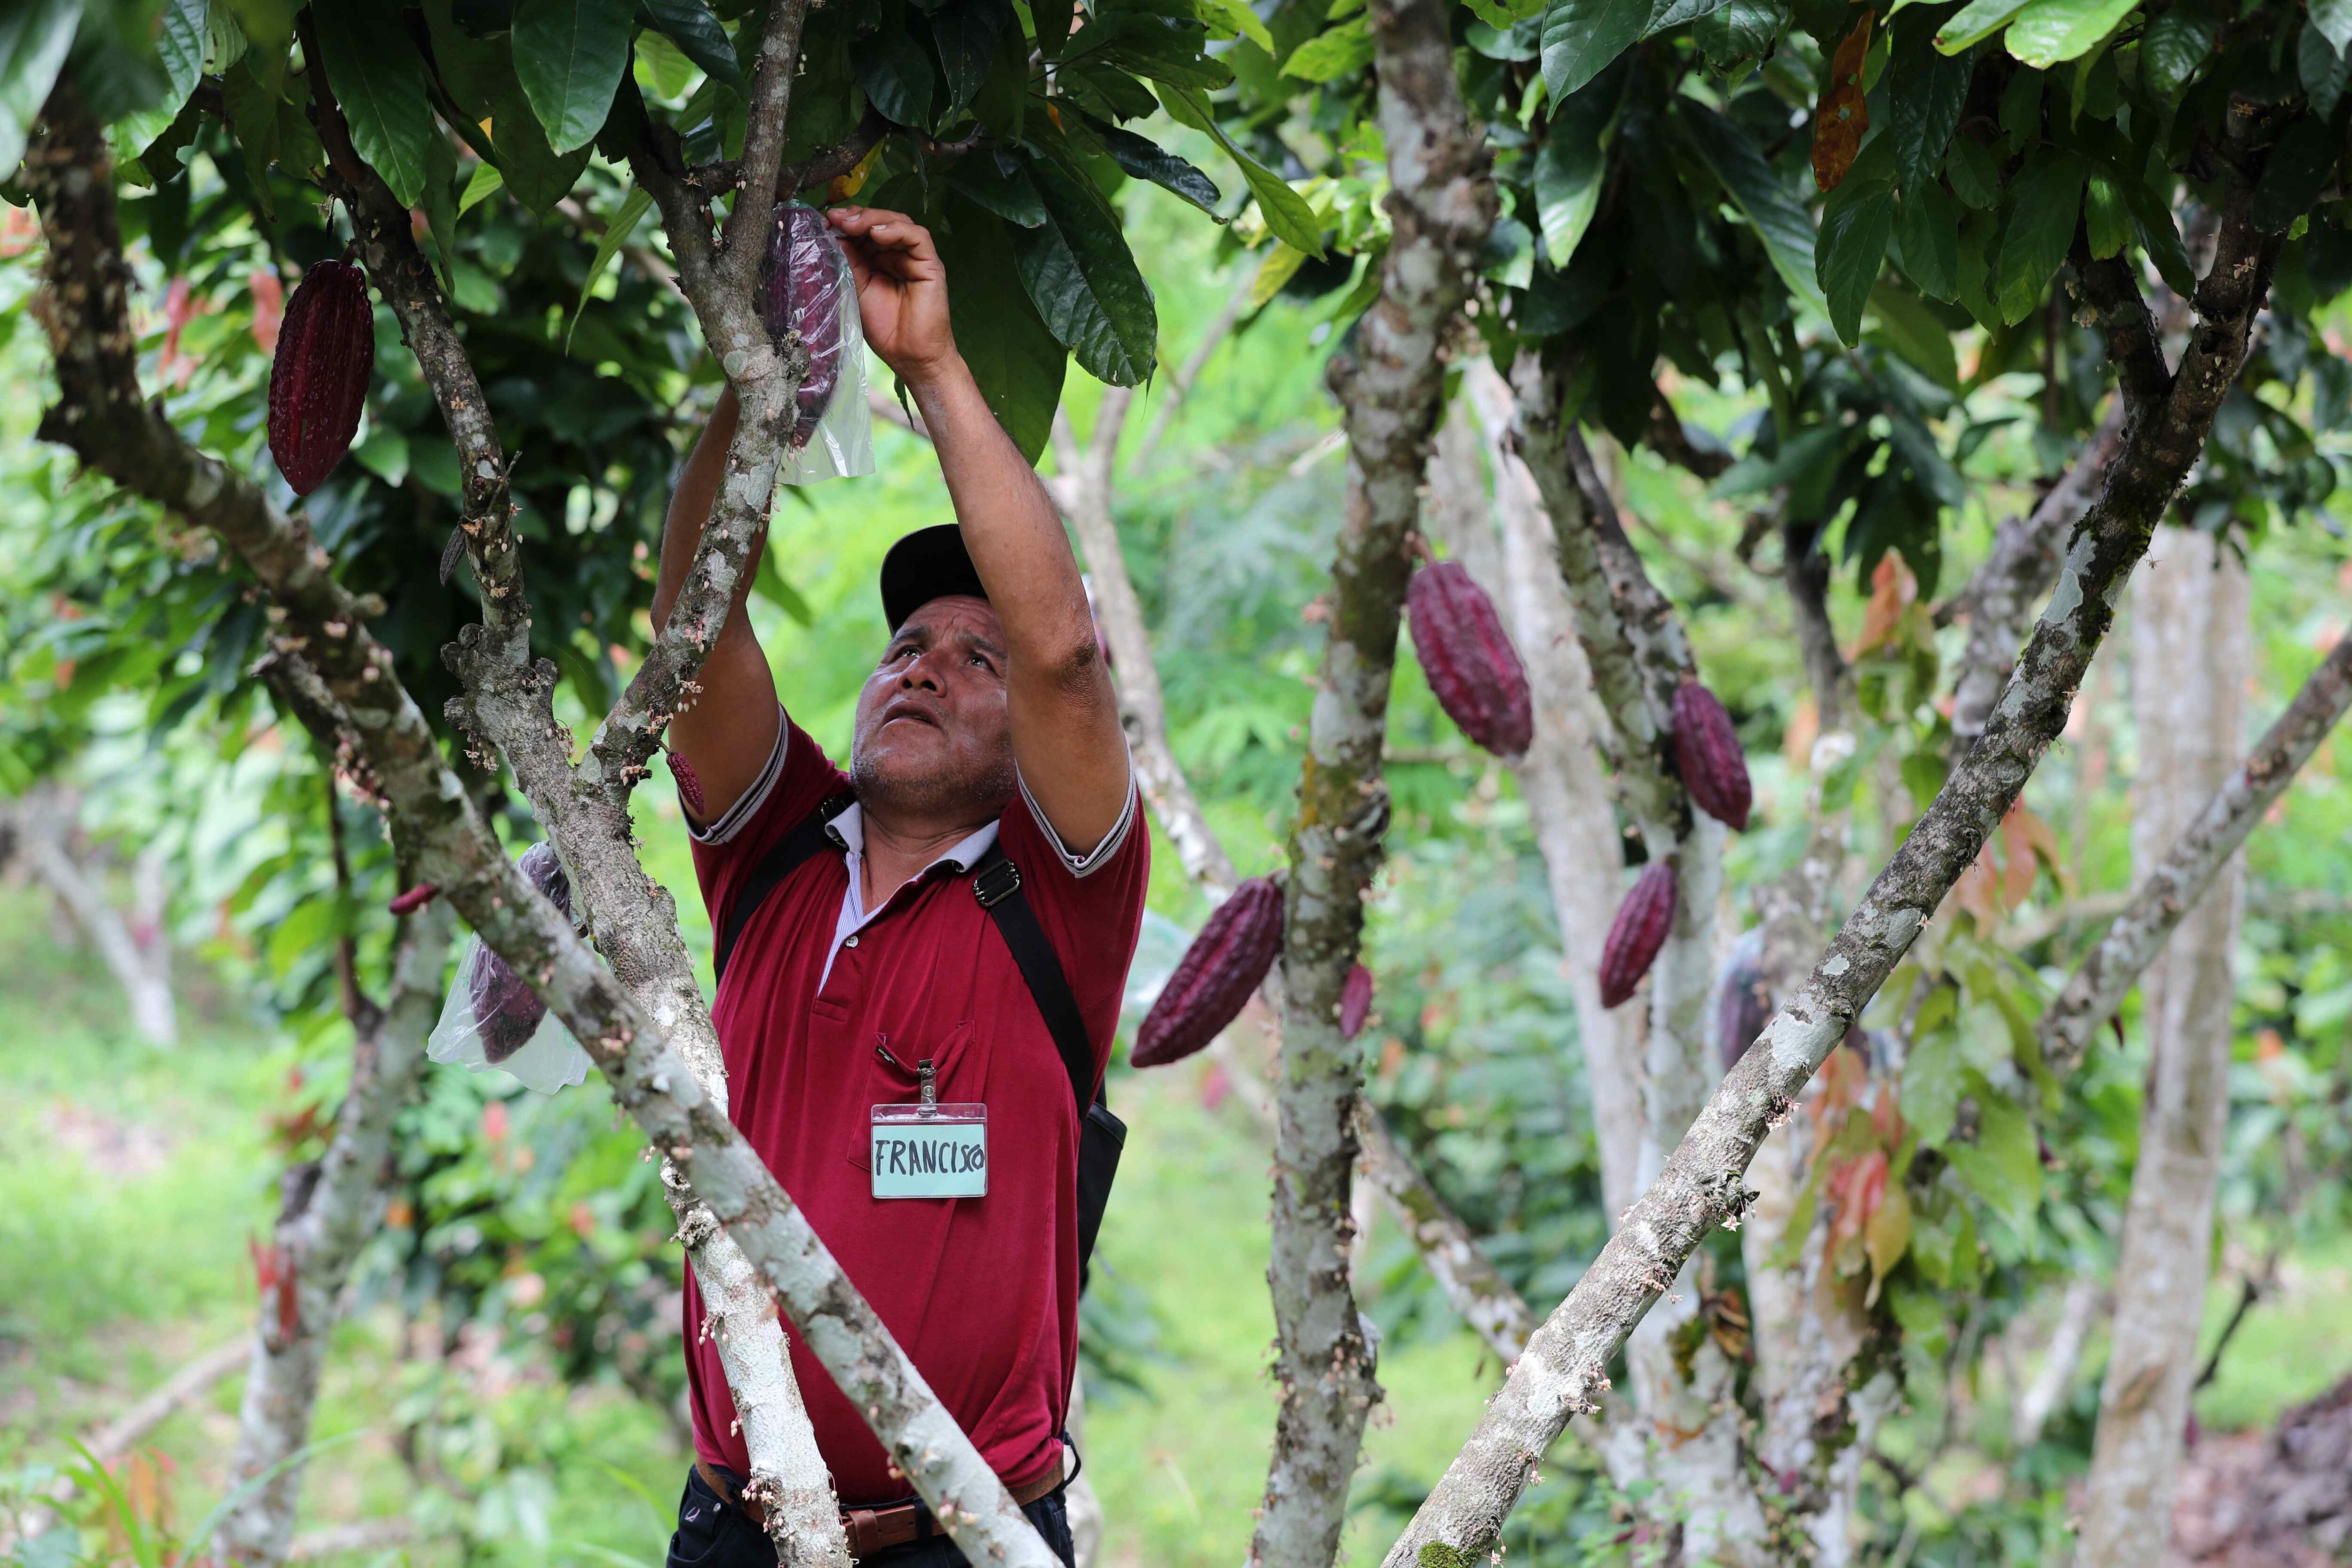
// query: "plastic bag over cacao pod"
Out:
[806,286]
[493,1020]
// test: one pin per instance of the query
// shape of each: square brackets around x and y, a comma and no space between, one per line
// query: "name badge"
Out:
[930,1151]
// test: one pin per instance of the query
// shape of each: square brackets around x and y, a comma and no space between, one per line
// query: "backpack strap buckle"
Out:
[997,880]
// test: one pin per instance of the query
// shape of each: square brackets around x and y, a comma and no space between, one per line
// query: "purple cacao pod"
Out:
[1637,933]
[1215,978]
[1708,755]
[800,280]
[1355,1001]
[506,1012]
[319,375]
[1744,1006]
[1468,657]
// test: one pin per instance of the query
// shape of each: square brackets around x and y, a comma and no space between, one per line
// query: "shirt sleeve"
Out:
[797,778]
[1090,905]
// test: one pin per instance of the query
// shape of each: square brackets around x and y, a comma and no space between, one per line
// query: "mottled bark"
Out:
[330,1211]
[2078,1313]
[2190,656]
[1440,205]
[438,832]
[2166,427]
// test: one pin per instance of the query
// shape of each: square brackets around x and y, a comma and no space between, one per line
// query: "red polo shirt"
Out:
[982,1292]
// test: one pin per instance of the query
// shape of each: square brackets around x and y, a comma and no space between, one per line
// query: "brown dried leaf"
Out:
[1840,118]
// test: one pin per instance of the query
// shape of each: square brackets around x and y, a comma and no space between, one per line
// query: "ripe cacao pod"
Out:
[506,1012]
[800,282]
[1471,664]
[1355,1001]
[319,376]
[1215,978]
[1708,755]
[1638,931]
[1744,1006]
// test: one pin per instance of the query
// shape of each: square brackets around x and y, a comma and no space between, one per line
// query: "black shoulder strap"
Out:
[804,840]
[997,883]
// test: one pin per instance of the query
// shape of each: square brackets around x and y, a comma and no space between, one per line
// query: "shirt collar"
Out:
[848,830]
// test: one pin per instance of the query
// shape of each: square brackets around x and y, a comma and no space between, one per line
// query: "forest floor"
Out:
[133,1179]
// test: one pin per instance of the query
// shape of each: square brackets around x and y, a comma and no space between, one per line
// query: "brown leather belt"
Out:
[870,1530]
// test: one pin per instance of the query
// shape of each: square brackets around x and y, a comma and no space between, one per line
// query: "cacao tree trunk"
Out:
[137,950]
[2191,659]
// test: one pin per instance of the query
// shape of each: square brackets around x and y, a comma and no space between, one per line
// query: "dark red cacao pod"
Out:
[1471,664]
[1215,978]
[1745,1003]
[1708,755]
[319,376]
[506,1011]
[690,782]
[1355,1001]
[801,283]
[1636,934]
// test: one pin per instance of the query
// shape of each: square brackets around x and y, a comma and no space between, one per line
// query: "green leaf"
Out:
[2177,43]
[569,56]
[269,27]
[180,45]
[1977,20]
[2300,163]
[1581,38]
[1236,15]
[1740,30]
[1280,264]
[1084,282]
[1779,221]
[1927,230]
[1856,222]
[2047,199]
[1570,167]
[633,207]
[441,208]
[994,180]
[2160,238]
[896,72]
[1147,160]
[1925,93]
[1014,356]
[34,39]
[1052,18]
[2334,17]
[1287,216]
[1974,172]
[2048,31]
[2321,66]
[689,24]
[1344,51]
[380,82]
[1930,1096]
[1916,334]
[2003,1166]
[965,34]
[2105,214]
[485,183]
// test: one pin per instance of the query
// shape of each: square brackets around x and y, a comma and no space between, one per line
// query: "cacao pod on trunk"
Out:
[1637,933]
[507,1013]
[802,278]
[1745,1003]
[1471,664]
[1355,1001]
[1708,755]
[319,375]
[1215,978]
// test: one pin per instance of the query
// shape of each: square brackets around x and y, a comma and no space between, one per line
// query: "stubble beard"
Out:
[954,789]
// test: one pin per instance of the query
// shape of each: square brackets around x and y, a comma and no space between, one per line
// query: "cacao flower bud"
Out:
[1215,978]
[506,1012]
[1472,667]
[319,376]
[800,282]
[1638,931]
[1708,755]
[1355,1001]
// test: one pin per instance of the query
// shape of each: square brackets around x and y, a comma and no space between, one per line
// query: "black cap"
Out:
[924,565]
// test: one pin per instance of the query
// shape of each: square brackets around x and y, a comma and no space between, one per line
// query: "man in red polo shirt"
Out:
[870,979]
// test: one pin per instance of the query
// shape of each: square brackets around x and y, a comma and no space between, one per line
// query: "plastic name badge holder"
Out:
[929,1150]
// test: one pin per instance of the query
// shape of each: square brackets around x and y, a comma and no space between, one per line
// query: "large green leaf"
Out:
[380,82]
[2106,217]
[633,207]
[1569,169]
[34,39]
[2003,1166]
[180,45]
[2045,200]
[1925,91]
[2177,43]
[965,32]
[2322,68]
[1080,275]
[1580,38]
[994,179]
[1977,20]
[1147,160]
[2334,17]
[2160,236]
[2299,166]
[1344,51]
[569,56]
[2048,31]
[1779,221]
[1740,30]
[1914,332]
[1014,356]
[689,24]
[896,71]
[1927,229]
[441,208]
[1287,216]
[1856,222]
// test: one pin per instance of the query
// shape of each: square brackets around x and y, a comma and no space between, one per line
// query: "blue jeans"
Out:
[712,1534]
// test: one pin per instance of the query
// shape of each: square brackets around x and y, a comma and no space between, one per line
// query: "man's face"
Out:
[934,737]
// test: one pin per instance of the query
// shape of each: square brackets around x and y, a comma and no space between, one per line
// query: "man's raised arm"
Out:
[727,733]
[1064,715]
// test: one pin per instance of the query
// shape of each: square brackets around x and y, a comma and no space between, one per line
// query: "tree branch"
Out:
[767,110]
[1701,1185]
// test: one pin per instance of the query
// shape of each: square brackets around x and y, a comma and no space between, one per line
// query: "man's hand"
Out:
[902,290]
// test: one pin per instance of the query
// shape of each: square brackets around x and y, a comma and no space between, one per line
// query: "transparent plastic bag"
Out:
[805,284]
[492,1020]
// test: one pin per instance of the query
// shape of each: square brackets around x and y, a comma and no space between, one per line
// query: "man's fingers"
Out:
[885,230]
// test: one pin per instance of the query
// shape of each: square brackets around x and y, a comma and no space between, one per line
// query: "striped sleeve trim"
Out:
[1094,860]
[747,806]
